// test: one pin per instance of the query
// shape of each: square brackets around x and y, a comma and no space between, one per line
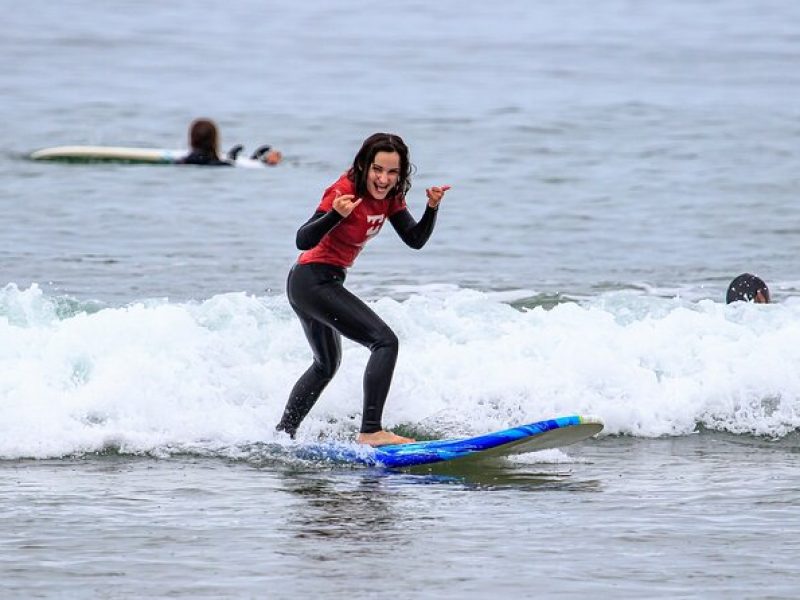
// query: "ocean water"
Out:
[613,166]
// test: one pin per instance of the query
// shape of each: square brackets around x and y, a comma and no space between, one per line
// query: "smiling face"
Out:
[381,168]
[383,174]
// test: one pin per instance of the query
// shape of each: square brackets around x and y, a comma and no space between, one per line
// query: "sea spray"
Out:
[215,374]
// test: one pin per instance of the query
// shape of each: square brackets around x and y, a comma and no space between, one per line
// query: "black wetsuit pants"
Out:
[328,311]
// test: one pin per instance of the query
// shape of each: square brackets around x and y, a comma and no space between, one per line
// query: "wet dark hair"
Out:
[381,142]
[203,137]
[745,287]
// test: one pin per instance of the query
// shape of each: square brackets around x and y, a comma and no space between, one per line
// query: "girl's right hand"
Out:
[345,204]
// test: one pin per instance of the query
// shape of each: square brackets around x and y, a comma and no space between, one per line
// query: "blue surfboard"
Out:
[542,435]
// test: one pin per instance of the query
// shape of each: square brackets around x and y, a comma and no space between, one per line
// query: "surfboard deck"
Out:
[108,153]
[122,154]
[541,435]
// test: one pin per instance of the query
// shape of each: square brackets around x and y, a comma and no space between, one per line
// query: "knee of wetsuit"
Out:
[386,339]
[327,370]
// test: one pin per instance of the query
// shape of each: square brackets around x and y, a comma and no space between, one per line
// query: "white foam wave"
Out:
[216,374]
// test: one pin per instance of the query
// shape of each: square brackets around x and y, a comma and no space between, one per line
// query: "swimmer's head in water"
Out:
[748,288]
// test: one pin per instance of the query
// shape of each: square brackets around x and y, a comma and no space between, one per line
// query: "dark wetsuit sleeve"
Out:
[312,231]
[414,234]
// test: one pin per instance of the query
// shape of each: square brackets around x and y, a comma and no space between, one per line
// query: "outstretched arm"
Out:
[415,234]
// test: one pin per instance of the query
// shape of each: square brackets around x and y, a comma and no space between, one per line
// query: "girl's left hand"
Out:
[435,195]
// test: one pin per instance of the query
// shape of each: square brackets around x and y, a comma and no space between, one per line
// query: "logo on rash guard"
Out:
[375,222]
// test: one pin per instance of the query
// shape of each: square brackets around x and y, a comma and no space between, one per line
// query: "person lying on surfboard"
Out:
[204,144]
[353,210]
[748,288]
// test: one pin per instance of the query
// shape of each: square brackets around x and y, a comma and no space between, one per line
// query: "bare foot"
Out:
[383,438]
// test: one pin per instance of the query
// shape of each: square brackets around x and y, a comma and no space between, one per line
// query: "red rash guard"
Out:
[341,245]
